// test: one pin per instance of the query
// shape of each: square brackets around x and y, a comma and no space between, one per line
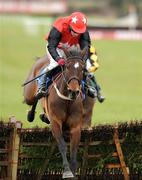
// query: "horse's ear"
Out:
[67,53]
[84,54]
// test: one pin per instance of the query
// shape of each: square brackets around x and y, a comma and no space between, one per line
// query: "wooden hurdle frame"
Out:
[119,154]
[14,147]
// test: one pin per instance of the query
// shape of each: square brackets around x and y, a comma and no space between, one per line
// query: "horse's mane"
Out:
[74,51]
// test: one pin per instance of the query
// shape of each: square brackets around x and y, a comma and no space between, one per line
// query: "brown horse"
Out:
[65,106]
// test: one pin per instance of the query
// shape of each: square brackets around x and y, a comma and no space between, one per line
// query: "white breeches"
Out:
[53,63]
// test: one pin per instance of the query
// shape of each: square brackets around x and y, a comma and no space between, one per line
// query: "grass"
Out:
[120,73]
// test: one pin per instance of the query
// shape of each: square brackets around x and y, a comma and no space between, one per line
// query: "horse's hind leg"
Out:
[88,105]
[44,116]
[31,113]
[30,89]
[57,133]
[29,92]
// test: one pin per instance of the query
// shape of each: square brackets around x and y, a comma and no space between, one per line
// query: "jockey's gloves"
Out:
[61,61]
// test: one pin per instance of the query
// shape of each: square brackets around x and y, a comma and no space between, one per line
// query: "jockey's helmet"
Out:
[78,22]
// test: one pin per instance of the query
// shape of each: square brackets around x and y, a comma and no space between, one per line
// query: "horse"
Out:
[65,107]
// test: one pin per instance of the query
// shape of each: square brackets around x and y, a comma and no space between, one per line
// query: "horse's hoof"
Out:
[44,118]
[67,174]
[30,116]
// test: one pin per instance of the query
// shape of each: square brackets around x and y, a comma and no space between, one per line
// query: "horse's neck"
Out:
[62,86]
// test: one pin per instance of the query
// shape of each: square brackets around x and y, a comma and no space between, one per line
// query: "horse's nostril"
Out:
[74,92]
[70,91]
[77,92]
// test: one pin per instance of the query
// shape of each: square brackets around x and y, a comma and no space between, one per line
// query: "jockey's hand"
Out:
[61,61]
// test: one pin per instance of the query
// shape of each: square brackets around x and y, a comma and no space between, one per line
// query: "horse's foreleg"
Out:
[57,133]
[74,143]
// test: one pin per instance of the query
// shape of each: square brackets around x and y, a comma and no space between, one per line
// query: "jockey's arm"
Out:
[93,59]
[53,41]
[91,63]
[85,41]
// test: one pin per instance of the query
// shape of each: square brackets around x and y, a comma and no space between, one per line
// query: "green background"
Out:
[120,72]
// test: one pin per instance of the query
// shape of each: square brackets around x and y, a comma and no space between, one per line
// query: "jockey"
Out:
[92,66]
[67,32]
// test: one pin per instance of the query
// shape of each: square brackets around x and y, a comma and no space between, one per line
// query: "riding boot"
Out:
[42,86]
[45,80]
[96,91]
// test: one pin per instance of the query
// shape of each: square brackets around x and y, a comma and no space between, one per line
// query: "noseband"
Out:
[73,77]
[69,80]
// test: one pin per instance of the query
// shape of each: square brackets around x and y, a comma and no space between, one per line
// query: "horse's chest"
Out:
[67,108]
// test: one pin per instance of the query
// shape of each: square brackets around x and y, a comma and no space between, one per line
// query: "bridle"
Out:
[63,70]
[67,81]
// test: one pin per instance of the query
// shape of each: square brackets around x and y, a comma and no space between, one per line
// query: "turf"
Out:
[120,72]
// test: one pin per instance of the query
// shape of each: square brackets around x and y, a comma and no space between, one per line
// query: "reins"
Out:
[56,88]
[66,81]
[73,77]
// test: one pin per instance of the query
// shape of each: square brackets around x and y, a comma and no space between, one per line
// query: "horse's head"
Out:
[74,68]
